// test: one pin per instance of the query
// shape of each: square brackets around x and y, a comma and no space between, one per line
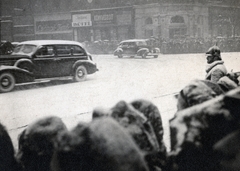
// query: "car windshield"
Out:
[24,49]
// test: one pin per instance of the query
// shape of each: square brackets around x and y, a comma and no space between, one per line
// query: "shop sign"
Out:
[53,26]
[81,20]
[103,18]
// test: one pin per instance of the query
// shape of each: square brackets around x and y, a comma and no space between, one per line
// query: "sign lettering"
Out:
[81,20]
[104,17]
[53,26]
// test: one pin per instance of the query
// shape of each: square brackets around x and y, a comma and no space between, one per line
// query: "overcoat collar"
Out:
[210,66]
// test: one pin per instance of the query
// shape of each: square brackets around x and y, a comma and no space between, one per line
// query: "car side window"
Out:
[125,44]
[45,51]
[131,44]
[77,50]
[63,50]
[142,43]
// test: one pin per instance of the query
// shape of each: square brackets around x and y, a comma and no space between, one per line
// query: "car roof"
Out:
[50,42]
[133,40]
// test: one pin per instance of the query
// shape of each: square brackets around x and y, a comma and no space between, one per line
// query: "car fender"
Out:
[142,50]
[90,66]
[157,50]
[117,51]
[21,61]
[21,75]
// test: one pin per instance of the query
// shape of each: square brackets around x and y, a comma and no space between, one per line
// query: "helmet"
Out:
[214,51]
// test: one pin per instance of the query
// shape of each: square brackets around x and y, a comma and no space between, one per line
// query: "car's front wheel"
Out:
[80,73]
[120,55]
[7,82]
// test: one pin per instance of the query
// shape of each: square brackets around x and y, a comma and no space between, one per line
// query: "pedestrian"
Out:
[36,143]
[100,145]
[8,161]
[215,65]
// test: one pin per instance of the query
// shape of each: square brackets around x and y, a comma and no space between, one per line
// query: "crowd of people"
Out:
[204,133]
[198,45]
[172,46]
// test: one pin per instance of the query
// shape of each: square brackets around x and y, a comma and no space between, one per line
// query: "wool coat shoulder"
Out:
[215,71]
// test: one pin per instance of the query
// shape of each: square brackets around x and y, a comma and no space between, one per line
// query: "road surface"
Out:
[154,79]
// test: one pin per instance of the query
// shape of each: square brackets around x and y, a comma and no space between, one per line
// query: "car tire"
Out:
[144,55]
[120,55]
[155,56]
[7,82]
[80,73]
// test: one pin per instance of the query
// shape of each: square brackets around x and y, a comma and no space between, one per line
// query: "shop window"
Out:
[177,19]
[105,34]
[148,21]
[114,34]
[97,34]
[123,33]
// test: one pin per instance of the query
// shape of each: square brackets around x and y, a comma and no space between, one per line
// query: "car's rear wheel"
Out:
[144,55]
[155,56]
[80,73]
[7,82]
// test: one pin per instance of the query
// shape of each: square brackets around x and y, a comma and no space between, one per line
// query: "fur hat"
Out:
[214,51]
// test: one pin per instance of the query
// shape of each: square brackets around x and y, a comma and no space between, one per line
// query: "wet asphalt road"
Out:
[154,79]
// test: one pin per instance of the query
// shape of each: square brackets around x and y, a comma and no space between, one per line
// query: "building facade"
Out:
[93,20]
[53,26]
[171,21]
[103,24]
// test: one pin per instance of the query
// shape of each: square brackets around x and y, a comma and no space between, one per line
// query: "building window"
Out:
[148,21]
[177,19]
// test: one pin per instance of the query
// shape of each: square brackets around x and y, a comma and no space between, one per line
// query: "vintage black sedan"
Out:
[136,47]
[45,59]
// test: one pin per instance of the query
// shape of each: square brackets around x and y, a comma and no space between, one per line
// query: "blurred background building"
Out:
[115,20]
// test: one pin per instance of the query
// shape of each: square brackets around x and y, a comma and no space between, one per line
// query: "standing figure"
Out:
[215,68]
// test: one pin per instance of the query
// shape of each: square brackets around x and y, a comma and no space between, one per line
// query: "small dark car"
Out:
[136,47]
[45,59]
